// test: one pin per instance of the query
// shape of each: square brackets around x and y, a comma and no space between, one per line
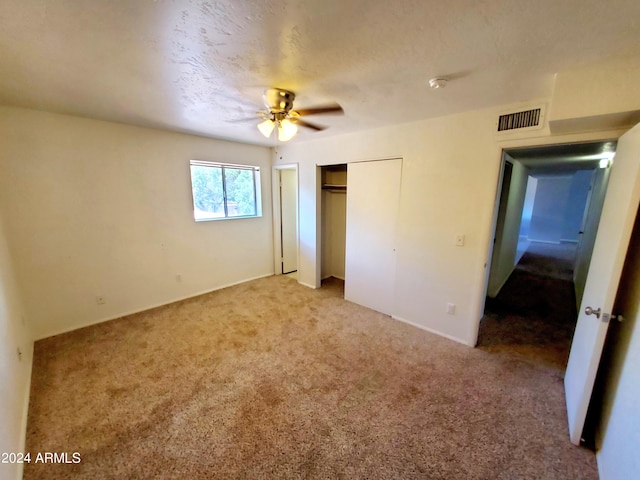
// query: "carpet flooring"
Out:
[534,315]
[273,380]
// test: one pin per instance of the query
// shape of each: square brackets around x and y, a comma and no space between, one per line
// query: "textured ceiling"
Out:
[196,66]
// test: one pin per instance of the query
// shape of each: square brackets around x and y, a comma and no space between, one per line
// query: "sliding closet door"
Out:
[372,208]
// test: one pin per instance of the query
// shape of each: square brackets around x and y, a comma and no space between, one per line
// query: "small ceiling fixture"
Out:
[438,82]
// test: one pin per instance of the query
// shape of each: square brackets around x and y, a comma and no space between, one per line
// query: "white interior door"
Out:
[373,197]
[289,219]
[612,240]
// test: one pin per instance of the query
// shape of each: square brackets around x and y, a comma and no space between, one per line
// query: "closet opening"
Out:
[333,227]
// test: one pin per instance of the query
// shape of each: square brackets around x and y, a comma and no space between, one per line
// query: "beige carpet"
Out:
[270,379]
[551,260]
[534,315]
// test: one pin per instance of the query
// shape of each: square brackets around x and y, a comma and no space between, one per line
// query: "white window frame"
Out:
[257,190]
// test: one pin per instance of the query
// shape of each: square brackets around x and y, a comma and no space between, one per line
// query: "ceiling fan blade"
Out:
[312,126]
[321,110]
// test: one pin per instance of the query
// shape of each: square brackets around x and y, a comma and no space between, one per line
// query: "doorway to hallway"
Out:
[547,214]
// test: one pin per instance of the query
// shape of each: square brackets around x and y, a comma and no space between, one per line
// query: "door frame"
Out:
[277,218]
[524,142]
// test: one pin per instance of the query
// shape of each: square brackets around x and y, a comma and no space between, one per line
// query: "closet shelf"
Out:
[334,187]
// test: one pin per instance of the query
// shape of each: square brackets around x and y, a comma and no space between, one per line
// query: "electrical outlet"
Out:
[100,300]
[19,354]
[179,277]
[459,240]
[451,308]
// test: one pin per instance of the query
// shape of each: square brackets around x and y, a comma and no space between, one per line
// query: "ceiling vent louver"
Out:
[530,119]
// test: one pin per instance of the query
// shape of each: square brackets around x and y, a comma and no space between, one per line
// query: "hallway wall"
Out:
[547,218]
[508,229]
[576,203]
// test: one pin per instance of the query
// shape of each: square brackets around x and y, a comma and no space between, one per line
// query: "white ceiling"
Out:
[196,66]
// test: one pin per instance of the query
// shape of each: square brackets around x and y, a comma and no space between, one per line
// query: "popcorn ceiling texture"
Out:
[270,379]
[197,65]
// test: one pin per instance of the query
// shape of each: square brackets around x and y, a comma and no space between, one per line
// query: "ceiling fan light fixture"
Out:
[266,127]
[286,130]
[280,115]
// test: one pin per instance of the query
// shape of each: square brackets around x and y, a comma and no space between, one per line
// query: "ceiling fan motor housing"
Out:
[278,100]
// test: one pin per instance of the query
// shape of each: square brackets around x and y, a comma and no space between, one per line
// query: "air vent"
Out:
[529,119]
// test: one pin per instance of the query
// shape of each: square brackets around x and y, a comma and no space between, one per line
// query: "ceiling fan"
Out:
[281,115]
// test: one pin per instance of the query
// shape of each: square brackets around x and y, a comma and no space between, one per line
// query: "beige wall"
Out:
[102,209]
[597,97]
[15,371]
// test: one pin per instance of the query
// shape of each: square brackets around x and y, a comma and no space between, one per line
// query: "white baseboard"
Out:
[133,312]
[308,285]
[543,241]
[435,332]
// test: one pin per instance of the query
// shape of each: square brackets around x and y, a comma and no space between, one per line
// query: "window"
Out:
[222,191]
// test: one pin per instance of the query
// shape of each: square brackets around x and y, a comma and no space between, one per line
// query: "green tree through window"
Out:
[224,190]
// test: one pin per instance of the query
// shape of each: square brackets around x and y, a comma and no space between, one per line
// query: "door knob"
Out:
[591,311]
